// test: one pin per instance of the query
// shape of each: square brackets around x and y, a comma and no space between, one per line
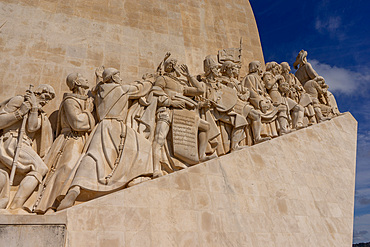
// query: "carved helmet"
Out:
[285,65]
[208,64]
[254,66]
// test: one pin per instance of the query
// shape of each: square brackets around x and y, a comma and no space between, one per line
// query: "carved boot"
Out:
[319,115]
[70,198]
[284,126]
[298,114]
[236,137]
[256,129]
[25,189]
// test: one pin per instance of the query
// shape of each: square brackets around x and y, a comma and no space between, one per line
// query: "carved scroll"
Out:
[185,135]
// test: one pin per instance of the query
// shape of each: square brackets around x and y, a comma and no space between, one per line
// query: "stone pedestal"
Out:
[295,190]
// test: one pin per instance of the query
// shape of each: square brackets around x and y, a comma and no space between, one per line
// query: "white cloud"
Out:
[341,80]
[331,24]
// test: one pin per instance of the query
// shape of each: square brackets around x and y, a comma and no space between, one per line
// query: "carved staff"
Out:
[19,145]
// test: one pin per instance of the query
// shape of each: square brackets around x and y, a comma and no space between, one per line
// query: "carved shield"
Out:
[224,99]
[185,135]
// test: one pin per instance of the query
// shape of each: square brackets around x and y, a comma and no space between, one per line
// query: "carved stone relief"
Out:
[119,134]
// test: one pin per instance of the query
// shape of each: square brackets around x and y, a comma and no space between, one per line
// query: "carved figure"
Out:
[304,73]
[222,99]
[230,73]
[115,153]
[298,93]
[35,142]
[278,90]
[74,123]
[177,109]
[260,99]
[315,90]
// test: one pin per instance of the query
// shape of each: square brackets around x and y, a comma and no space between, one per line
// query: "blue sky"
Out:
[336,34]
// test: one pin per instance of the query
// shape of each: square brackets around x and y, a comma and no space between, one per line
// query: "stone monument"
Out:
[212,148]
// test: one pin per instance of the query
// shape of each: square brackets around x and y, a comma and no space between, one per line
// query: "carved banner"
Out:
[185,135]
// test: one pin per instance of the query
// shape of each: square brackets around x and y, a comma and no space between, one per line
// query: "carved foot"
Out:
[157,174]
[209,157]
[49,211]
[284,132]
[138,181]
[299,126]
[262,139]
[324,119]
[238,148]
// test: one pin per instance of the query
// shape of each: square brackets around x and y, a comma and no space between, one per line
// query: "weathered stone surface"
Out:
[43,41]
[299,193]
[32,235]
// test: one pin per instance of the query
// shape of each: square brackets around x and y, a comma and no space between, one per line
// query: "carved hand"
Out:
[205,104]
[89,104]
[178,104]
[99,71]
[25,108]
[31,98]
[184,70]
[168,54]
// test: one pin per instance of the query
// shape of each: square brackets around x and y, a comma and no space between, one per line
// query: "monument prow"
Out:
[295,190]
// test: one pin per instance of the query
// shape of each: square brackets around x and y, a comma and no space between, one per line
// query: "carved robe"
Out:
[104,143]
[74,124]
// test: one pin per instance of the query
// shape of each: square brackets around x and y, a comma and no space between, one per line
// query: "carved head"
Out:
[111,75]
[227,69]
[255,66]
[301,59]
[169,65]
[285,67]
[267,76]
[210,66]
[44,93]
[265,105]
[284,87]
[75,80]
[274,68]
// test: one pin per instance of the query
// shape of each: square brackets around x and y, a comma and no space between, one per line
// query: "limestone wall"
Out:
[42,41]
[295,190]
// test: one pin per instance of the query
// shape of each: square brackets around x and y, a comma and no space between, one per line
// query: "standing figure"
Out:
[260,99]
[174,95]
[230,73]
[278,89]
[297,93]
[115,153]
[36,139]
[222,100]
[75,122]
